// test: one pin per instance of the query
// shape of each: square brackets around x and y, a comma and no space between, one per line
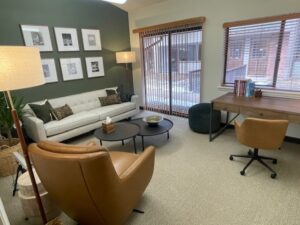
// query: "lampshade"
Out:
[20,67]
[125,57]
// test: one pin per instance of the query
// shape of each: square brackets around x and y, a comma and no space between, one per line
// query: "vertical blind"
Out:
[172,68]
[268,52]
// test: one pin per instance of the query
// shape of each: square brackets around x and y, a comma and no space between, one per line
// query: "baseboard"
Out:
[287,138]
[292,140]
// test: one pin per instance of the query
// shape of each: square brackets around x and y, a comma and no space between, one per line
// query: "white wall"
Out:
[216,12]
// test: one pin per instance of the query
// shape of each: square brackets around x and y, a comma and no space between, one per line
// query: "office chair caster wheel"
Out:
[249,152]
[273,175]
[242,173]
[275,161]
[231,158]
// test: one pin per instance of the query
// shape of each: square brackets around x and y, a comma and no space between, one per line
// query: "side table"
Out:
[29,204]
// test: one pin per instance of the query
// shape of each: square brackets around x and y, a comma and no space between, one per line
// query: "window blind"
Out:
[172,67]
[266,52]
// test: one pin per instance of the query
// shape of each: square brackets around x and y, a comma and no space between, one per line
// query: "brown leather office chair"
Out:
[260,134]
[90,184]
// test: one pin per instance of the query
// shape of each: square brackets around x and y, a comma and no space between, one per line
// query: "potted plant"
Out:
[8,144]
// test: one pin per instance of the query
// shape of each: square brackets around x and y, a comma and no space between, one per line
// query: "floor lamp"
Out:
[126,57]
[21,67]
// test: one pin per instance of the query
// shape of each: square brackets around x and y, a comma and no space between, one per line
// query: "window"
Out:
[259,49]
[265,50]
[172,67]
[188,52]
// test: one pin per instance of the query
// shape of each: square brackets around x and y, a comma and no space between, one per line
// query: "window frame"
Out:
[282,19]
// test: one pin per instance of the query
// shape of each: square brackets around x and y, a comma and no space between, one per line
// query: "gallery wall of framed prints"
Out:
[66,41]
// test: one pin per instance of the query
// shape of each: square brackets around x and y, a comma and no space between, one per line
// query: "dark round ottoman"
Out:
[199,118]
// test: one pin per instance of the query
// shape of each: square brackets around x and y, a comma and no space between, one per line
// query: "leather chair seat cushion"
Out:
[122,161]
[113,110]
[70,123]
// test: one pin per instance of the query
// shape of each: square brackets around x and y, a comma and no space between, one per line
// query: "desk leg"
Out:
[143,145]
[122,142]
[100,141]
[227,117]
[210,121]
[211,138]
[134,144]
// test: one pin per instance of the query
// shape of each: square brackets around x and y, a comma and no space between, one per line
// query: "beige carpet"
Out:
[194,182]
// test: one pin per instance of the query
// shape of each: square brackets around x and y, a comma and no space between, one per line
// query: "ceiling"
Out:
[136,4]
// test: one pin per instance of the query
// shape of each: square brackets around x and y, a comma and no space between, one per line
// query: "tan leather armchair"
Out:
[90,184]
[260,134]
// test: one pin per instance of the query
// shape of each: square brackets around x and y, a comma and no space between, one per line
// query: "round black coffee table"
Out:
[163,127]
[122,132]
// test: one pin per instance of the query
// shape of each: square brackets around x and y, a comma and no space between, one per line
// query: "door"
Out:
[172,69]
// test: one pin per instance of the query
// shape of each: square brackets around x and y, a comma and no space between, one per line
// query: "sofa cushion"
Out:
[62,112]
[110,100]
[70,122]
[42,111]
[113,110]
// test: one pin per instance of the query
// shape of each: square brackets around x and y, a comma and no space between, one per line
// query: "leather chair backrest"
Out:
[261,133]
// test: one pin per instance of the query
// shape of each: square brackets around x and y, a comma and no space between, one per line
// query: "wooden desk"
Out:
[264,107]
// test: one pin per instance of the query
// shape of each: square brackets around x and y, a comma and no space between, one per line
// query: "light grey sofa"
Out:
[88,115]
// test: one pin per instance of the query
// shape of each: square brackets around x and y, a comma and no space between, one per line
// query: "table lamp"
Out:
[21,67]
[125,57]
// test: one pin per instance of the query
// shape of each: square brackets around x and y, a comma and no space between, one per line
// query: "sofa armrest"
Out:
[34,128]
[134,99]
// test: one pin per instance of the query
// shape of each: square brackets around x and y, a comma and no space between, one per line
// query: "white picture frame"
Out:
[94,66]
[71,68]
[49,70]
[91,39]
[66,39]
[37,36]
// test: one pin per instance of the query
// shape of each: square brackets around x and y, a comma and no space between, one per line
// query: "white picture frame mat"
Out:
[27,31]
[67,75]
[52,70]
[62,47]
[86,44]
[89,68]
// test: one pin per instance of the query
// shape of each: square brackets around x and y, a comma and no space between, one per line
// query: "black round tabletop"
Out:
[122,131]
[164,126]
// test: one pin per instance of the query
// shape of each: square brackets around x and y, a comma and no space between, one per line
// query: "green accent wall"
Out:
[95,14]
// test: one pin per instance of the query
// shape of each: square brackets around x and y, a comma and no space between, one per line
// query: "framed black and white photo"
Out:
[91,39]
[71,68]
[66,39]
[94,66]
[37,36]
[49,70]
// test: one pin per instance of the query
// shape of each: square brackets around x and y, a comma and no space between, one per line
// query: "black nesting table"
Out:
[144,130]
[122,132]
